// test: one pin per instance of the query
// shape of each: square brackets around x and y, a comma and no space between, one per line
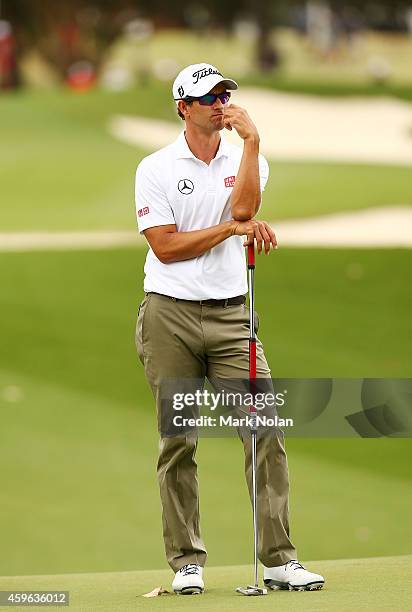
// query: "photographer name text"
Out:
[231,421]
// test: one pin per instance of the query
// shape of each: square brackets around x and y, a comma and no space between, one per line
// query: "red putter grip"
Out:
[252,358]
[251,255]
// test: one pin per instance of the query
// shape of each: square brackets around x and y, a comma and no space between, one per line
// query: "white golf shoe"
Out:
[292,576]
[188,580]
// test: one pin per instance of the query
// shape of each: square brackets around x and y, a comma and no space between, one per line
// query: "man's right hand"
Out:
[255,230]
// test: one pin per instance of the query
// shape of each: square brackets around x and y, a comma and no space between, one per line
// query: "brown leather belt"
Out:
[233,301]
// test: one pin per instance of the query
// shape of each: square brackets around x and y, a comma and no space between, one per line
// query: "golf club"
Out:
[253,589]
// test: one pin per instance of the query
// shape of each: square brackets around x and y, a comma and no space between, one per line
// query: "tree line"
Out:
[63,31]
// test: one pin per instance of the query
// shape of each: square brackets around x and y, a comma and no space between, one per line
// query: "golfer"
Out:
[196,200]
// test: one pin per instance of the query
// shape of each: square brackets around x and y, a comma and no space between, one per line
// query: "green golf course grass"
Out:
[78,442]
[61,170]
[351,584]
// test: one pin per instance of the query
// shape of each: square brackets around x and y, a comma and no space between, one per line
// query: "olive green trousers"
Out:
[179,339]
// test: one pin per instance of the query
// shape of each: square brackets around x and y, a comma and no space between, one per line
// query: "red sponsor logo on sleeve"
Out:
[230,181]
[143,211]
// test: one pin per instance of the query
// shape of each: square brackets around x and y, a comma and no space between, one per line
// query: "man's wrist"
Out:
[252,140]
[232,225]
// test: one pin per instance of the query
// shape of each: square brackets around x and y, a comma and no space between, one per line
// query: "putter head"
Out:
[252,590]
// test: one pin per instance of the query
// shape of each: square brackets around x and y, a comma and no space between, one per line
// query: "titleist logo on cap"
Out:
[199,74]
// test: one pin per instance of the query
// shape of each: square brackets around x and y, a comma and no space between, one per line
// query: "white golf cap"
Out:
[198,79]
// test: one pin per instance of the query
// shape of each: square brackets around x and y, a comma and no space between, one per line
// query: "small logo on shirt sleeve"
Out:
[143,211]
[230,181]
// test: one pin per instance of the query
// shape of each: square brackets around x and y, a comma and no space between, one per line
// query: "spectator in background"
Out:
[408,18]
[321,28]
[8,65]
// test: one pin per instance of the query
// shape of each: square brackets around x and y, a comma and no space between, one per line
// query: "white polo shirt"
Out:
[175,187]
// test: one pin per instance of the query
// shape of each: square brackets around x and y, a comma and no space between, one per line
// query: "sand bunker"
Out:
[389,227]
[298,127]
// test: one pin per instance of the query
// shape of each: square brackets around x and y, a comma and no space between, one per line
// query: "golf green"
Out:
[351,584]
[78,441]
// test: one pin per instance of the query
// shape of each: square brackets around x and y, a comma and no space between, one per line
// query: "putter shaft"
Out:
[253,589]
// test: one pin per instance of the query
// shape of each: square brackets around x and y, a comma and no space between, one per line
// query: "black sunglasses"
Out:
[208,99]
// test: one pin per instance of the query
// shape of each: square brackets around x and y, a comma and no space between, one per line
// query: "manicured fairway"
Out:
[351,584]
[61,170]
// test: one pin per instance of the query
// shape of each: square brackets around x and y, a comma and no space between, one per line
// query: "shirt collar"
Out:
[183,151]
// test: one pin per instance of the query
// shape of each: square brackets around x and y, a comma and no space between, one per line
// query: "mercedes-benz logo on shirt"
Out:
[185,186]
